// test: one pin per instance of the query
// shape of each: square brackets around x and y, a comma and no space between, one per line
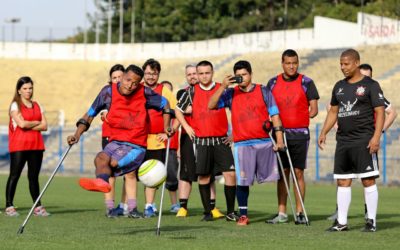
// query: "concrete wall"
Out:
[327,33]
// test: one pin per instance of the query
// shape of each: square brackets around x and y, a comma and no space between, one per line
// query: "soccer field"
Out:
[78,222]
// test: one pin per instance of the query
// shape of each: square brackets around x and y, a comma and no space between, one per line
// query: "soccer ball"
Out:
[152,173]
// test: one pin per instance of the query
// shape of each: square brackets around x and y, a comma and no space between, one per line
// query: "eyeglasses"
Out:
[151,74]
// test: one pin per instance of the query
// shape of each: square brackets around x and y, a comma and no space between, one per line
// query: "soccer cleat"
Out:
[278,219]
[232,217]
[95,185]
[154,206]
[243,221]
[135,214]
[369,226]
[115,212]
[207,217]
[149,212]
[182,212]
[216,214]
[11,211]
[40,211]
[333,217]
[336,227]
[174,208]
[300,219]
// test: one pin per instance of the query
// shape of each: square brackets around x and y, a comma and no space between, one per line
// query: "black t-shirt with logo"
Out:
[356,103]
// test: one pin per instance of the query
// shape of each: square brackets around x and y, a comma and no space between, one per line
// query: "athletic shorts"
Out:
[172,171]
[255,159]
[104,142]
[157,154]
[188,162]
[128,155]
[298,154]
[354,161]
[213,159]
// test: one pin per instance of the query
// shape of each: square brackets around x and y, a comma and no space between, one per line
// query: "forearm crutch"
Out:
[21,228]
[295,180]
[163,187]
[269,130]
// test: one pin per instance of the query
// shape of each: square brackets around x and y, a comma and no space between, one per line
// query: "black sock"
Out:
[242,193]
[212,204]
[365,209]
[183,203]
[230,195]
[105,177]
[205,197]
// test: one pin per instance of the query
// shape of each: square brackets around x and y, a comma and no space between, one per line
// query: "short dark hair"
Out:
[351,53]
[205,63]
[135,69]
[289,53]
[153,64]
[365,66]
[242,64]
[117,67]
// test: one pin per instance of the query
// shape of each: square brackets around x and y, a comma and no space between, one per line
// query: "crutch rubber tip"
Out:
[158,232]
[20,230]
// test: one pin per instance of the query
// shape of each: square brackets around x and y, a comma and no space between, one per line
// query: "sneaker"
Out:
[216,214]
[369,226]
[135,214]
[182,212]
[175,208]
[333,217]
[243,221]
[336,227]
[207,217]
[149,212]
[95,185]
[116,212]
[278,219]
[40,211]
[300,219]
[11,211]
[232,217]
[154,207]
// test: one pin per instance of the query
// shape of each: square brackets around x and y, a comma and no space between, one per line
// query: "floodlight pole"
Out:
[13,21]
[121,20]
[133,22]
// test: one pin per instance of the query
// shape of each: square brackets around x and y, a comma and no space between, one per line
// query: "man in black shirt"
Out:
[354,102]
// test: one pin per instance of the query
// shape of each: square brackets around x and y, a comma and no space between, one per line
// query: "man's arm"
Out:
[313,108]
[330,121]
[82,125]
[391,115]
[213,103]
[373,144]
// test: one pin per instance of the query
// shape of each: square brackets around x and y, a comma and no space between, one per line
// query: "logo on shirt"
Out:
[340,91]
[360,91]
[380,96]
[346,109]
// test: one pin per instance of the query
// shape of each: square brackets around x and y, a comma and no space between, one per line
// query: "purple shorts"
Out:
[128,155]
[255,159]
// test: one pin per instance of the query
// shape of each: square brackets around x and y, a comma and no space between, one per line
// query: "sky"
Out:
[40,19]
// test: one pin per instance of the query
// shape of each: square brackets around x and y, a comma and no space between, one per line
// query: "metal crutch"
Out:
[295,180]
[269,131]
[21,228]
[163,188]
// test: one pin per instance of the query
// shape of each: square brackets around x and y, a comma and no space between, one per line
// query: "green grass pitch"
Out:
[78,222]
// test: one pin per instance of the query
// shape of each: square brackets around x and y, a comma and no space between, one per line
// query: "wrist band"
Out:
[278,128]
[170,112]
[383,131]
[83,122]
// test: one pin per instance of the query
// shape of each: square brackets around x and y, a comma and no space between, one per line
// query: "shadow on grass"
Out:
[172,232]
[56,210]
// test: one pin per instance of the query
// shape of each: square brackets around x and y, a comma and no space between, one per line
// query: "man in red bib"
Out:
[128,120]
[208,129]
[297,100]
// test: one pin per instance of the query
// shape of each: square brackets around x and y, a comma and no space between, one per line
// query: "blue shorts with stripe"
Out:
[128,155]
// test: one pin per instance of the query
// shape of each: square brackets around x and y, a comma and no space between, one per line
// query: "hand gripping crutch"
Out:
[269,130]
[21,228]
[163,188]
[295,179]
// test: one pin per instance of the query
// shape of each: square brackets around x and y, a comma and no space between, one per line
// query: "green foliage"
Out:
[188,20]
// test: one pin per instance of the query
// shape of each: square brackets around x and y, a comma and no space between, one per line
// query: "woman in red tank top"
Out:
[25,142]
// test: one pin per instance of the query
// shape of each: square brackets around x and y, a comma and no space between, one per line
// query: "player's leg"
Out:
[131,195]
[216,213]
[109,198]
[204,170]
[223,162]
[172,180]
[150,193]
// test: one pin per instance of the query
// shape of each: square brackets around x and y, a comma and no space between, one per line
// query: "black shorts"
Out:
[188,162]
[158,154]
[298,154]
[213,159]
[172,171]
[104,142]
[354,161]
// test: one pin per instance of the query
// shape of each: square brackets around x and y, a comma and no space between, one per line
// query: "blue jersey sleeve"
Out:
[102,101]
[154,100]
[269,101]
[225,101]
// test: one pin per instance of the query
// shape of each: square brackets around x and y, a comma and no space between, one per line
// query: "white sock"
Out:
[371,199]
[343,201]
